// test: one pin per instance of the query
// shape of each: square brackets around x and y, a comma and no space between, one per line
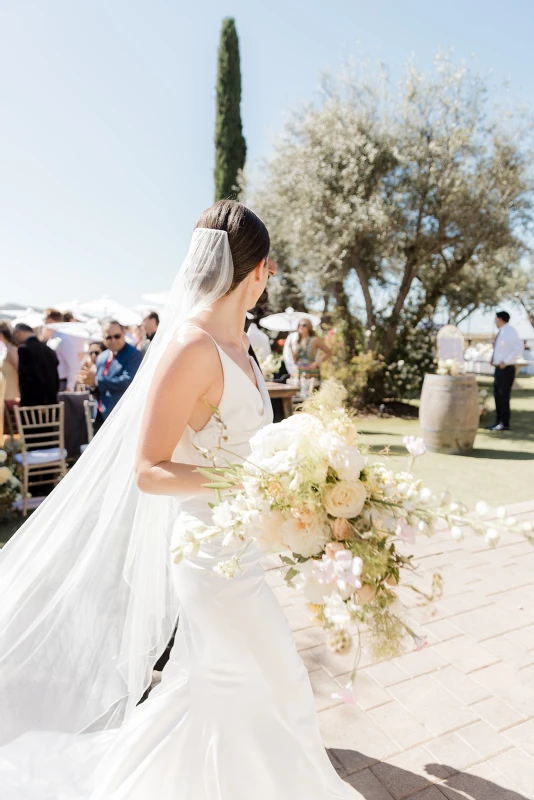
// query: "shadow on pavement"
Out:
[509,455]
[373,777]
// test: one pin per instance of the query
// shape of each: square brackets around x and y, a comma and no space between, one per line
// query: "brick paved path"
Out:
[455,720]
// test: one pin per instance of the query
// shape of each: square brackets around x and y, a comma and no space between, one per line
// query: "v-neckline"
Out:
[254,384]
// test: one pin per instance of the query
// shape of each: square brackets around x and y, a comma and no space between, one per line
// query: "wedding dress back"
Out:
[233,717]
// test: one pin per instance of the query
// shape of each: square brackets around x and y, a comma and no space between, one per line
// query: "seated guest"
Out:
[150,326]
[115,370]
[38,368]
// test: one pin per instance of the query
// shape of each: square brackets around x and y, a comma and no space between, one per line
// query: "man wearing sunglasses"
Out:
[115,370]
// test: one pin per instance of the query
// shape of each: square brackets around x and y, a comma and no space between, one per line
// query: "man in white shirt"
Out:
[259,341]
[68,350]
[508,348]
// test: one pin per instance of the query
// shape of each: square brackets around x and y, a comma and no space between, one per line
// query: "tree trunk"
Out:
[362,276]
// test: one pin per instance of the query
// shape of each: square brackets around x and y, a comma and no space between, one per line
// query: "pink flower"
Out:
[420,642]
[347,695]
[406,532]
[341,569]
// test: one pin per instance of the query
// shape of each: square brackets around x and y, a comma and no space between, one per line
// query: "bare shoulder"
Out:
[192,350]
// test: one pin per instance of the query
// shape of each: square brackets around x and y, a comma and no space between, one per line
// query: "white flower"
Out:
[426,495]
[492,536]
[274,448]
[304,423]
[223,515]
[306,538]
[3,456]
[336,611]
[227,569]
[345,498]
[457,533]
[269,535]
[414,445]
[501,512]
[405,531]
[345,459]
[481,508]
[5,475]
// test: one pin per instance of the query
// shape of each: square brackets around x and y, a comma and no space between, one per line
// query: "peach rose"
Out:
[342,529]
[366,593]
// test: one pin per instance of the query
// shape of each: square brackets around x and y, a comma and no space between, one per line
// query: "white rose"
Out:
[5,475]
[305,538]
[345,459]
[305,423]
[345,499]
[3,456]
[270,441]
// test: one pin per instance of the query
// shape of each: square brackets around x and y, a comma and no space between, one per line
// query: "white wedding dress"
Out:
[233,717]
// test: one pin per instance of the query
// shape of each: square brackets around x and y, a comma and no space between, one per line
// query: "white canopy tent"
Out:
[106,308]
[288,320]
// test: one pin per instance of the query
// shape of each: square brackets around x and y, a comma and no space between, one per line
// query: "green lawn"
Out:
[500,469]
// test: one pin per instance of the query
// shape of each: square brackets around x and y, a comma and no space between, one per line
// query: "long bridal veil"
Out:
[86,605]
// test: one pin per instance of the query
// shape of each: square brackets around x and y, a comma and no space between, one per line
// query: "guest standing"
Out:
[38,368]
[115,370]
[9,362]
[259,341]
[309,351]
[150,327]
[65,348]
[508,348]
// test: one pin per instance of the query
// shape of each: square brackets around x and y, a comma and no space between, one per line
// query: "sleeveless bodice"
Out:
[243,409]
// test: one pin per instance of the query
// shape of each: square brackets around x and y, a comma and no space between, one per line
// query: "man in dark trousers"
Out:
[114,370]
[38,369]
[508,348]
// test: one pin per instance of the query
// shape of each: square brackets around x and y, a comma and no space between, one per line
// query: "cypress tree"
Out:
[230,145]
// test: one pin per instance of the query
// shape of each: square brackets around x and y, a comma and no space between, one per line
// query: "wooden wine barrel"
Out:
[449,413]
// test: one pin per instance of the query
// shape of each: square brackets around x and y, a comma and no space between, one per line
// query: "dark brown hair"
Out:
[54,314]
[5,330]
[247,235]
[504,315]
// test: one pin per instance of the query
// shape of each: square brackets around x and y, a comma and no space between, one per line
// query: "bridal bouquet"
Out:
[339,518]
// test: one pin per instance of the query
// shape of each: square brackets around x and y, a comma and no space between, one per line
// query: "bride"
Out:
[89,593]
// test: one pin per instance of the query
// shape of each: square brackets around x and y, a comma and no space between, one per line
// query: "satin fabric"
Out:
[234,717]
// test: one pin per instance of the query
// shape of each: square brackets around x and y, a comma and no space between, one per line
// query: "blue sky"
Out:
[106,140]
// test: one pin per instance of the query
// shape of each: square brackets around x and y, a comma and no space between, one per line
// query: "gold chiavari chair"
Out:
[42,441]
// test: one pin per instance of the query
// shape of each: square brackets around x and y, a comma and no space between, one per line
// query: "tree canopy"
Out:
[420,197]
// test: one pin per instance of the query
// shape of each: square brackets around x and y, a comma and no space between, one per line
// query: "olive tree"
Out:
[419,194]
